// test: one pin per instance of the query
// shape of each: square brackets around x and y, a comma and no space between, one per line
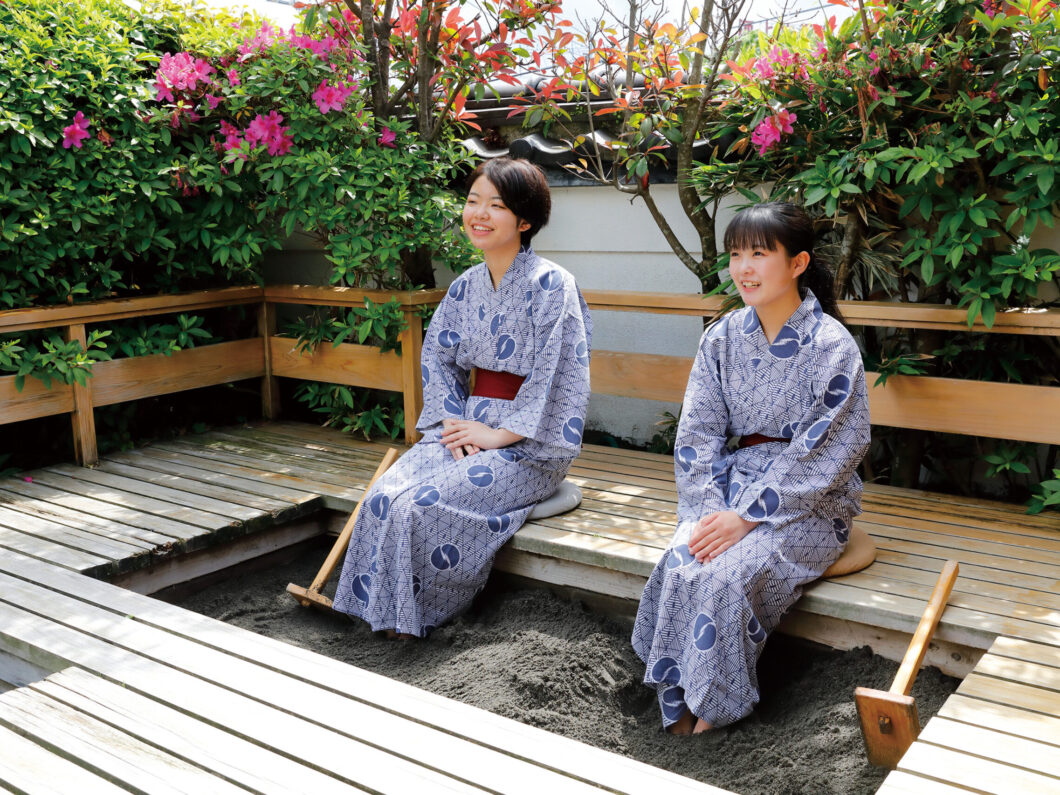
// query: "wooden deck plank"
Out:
[1046,677]
[34,546]
[1013,694]
[1022,650]
[27,767]
[69,536]
[93,744]
[225,494]
[993,745]
[303,668]
[973,772]
[191,468]
[1002,717]
[162,499]
[319,746]
[899,782]
[361,722]
[287,472]
[188,738]
[101,510]
[969,571]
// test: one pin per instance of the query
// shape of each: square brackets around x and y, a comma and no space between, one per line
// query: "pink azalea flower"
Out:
[873,93]
[76,133]
[233,77]
[990,8]
[330,97]
[280,144]
[233,137]
[27,478]
[267,130]
[784,121]
[180,72]
[822,50]
[387,138]
[212,101]
[765,136]
[764,69]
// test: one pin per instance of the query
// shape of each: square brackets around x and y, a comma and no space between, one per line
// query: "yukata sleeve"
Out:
[829,442]
[445,383]
[551,404]
[700,456]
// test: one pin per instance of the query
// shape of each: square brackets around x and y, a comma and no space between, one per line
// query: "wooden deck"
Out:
[132,519]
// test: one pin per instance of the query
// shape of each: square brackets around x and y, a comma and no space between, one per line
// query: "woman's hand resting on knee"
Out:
[715,533]
[467,437]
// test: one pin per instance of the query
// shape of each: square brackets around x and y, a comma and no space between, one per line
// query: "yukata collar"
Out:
[520,266]
[806,315]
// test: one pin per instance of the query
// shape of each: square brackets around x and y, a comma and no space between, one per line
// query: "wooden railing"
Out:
[1000,410]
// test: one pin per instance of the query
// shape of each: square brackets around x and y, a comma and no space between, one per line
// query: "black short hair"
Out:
[523,189]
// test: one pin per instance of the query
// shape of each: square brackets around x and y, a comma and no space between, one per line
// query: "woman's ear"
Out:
[523,225]
[799,263]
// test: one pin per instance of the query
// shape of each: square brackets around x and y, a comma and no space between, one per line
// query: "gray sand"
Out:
[549,662]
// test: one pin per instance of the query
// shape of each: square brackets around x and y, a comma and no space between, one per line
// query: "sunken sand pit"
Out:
[550,662]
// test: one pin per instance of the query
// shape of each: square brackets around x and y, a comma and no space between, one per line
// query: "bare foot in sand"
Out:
[701,726]
[683,726]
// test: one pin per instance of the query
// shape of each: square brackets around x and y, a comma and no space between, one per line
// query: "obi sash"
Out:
[495,384]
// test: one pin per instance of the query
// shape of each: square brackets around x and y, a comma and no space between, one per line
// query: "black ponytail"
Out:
[772,224]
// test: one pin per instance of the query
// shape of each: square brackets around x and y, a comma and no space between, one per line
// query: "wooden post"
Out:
[411,379]
[270,388]
[82,418]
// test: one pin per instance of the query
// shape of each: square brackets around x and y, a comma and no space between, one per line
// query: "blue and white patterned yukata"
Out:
[425,540]
[701,626]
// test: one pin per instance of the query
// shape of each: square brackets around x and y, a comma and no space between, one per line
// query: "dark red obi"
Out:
[495,384]
[751,439]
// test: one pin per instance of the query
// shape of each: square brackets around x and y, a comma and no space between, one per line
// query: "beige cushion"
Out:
[566,498]
[860,552]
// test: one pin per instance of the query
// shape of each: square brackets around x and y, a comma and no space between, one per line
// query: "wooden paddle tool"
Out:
[889,720]
[311,596]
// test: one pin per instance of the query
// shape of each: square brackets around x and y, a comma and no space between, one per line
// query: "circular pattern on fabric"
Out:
[785,344]
[481,311]
[837,390]
[731,490]
[581,353]
[704,632]
[679,556]
[686,456]
[425,375]
[755,362]
[505,347]
[496,322]
[550,280]
[755,631]
[499,524]
[445,556]
[374,565]
[480,410]
[480,475]
[448,338]
[417,585]
[457,289]
[666,671]
[572,430]
[766,505]
[789,430]
[510,455]
[840,529]
[750,323]
[817,434]
[360,587]
[673,703]
[426,496]
[379,505]
[453,404]
[529,298]
[719,472]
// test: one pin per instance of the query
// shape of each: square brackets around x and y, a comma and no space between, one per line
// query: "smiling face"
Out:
[768,279]
[489,224]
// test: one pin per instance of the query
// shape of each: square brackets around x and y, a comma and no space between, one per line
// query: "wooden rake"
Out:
[311,596]
[889,720]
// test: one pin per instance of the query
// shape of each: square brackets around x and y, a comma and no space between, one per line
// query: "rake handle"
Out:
[914,655]
[343,541]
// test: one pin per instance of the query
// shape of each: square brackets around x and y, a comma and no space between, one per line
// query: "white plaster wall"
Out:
[609,243]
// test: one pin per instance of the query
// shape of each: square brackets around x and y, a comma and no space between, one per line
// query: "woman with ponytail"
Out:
[774,425]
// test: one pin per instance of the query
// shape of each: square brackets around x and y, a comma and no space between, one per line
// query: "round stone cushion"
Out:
[860,552]
[566,498]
